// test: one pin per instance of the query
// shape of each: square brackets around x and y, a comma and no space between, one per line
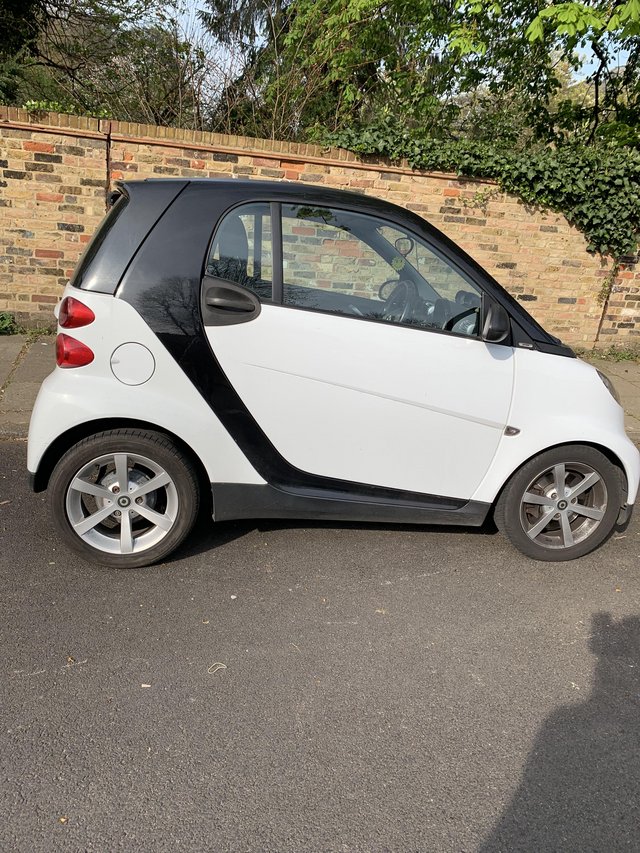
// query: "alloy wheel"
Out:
[122,503]
[563,505]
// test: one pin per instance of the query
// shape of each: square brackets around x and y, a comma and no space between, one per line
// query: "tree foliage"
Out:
[235,22]
[446,65]
[571,32]
[20,21]
[122,58]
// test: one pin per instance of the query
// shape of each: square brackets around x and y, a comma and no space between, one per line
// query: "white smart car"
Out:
[274,350]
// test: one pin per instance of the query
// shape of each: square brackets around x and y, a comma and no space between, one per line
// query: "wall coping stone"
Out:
[196,140]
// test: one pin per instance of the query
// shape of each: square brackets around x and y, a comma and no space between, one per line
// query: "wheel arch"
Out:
[60,445]
[606,451]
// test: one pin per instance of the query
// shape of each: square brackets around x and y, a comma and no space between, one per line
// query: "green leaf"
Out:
[535,30]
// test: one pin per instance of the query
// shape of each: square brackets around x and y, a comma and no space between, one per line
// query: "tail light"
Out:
[72,353]
[74,314]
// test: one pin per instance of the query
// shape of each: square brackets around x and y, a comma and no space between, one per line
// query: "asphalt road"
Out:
[386,689]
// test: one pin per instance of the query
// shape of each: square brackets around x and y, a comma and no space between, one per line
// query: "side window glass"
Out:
[242,249]
[457,302]
[326,264]
[360,266]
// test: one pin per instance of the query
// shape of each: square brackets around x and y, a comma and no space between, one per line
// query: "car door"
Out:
[361,359]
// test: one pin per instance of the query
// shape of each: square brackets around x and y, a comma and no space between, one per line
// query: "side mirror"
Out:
[496,325]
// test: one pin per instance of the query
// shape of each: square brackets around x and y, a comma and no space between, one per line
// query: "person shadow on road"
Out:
[580,789]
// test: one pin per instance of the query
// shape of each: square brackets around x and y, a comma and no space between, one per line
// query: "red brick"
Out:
[46,147]
[49,253]
[49,197]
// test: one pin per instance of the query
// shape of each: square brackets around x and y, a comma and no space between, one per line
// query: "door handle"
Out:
[225,303]
[233,302]
[226,299]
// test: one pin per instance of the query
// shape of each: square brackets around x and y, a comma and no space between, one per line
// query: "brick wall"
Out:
[56,170]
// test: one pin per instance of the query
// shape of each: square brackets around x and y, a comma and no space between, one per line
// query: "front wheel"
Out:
[125,498]
[562,504]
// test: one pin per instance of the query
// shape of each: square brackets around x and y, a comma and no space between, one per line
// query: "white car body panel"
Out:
[167,399]
[559,401]
[368,402]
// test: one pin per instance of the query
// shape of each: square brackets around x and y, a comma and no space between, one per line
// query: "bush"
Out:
[8,325]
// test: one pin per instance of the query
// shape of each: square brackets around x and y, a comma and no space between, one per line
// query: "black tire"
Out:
[170,510]
[576,534]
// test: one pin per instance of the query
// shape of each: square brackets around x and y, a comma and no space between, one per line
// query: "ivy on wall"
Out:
[597,188]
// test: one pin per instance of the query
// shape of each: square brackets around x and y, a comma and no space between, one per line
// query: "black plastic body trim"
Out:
[235,501]
[122,232]
[276,252]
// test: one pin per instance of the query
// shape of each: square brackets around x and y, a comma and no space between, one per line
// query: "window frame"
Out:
[275,211]
[274,214]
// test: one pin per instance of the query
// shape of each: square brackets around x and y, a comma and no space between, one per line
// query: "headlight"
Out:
[610,387]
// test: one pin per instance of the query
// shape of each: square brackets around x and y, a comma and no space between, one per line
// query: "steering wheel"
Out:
[399,306]
[451,322]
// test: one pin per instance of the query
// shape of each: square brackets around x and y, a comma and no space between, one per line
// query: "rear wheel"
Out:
[124,498]
[562,504]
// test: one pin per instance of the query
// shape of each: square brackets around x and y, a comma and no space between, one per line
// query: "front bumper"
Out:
[624,516]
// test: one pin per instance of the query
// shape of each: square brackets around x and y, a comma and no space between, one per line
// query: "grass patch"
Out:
[35,332]
[10,326]
[612,353]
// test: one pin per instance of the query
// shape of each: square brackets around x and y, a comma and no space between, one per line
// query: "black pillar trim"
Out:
[276,248]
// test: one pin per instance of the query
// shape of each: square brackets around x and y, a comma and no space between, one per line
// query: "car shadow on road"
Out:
[209,535]
[580,788]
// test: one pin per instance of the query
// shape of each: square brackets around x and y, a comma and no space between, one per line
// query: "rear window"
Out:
[98,239]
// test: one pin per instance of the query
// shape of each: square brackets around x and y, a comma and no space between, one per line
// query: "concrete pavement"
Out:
[625,375]
[26,361]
